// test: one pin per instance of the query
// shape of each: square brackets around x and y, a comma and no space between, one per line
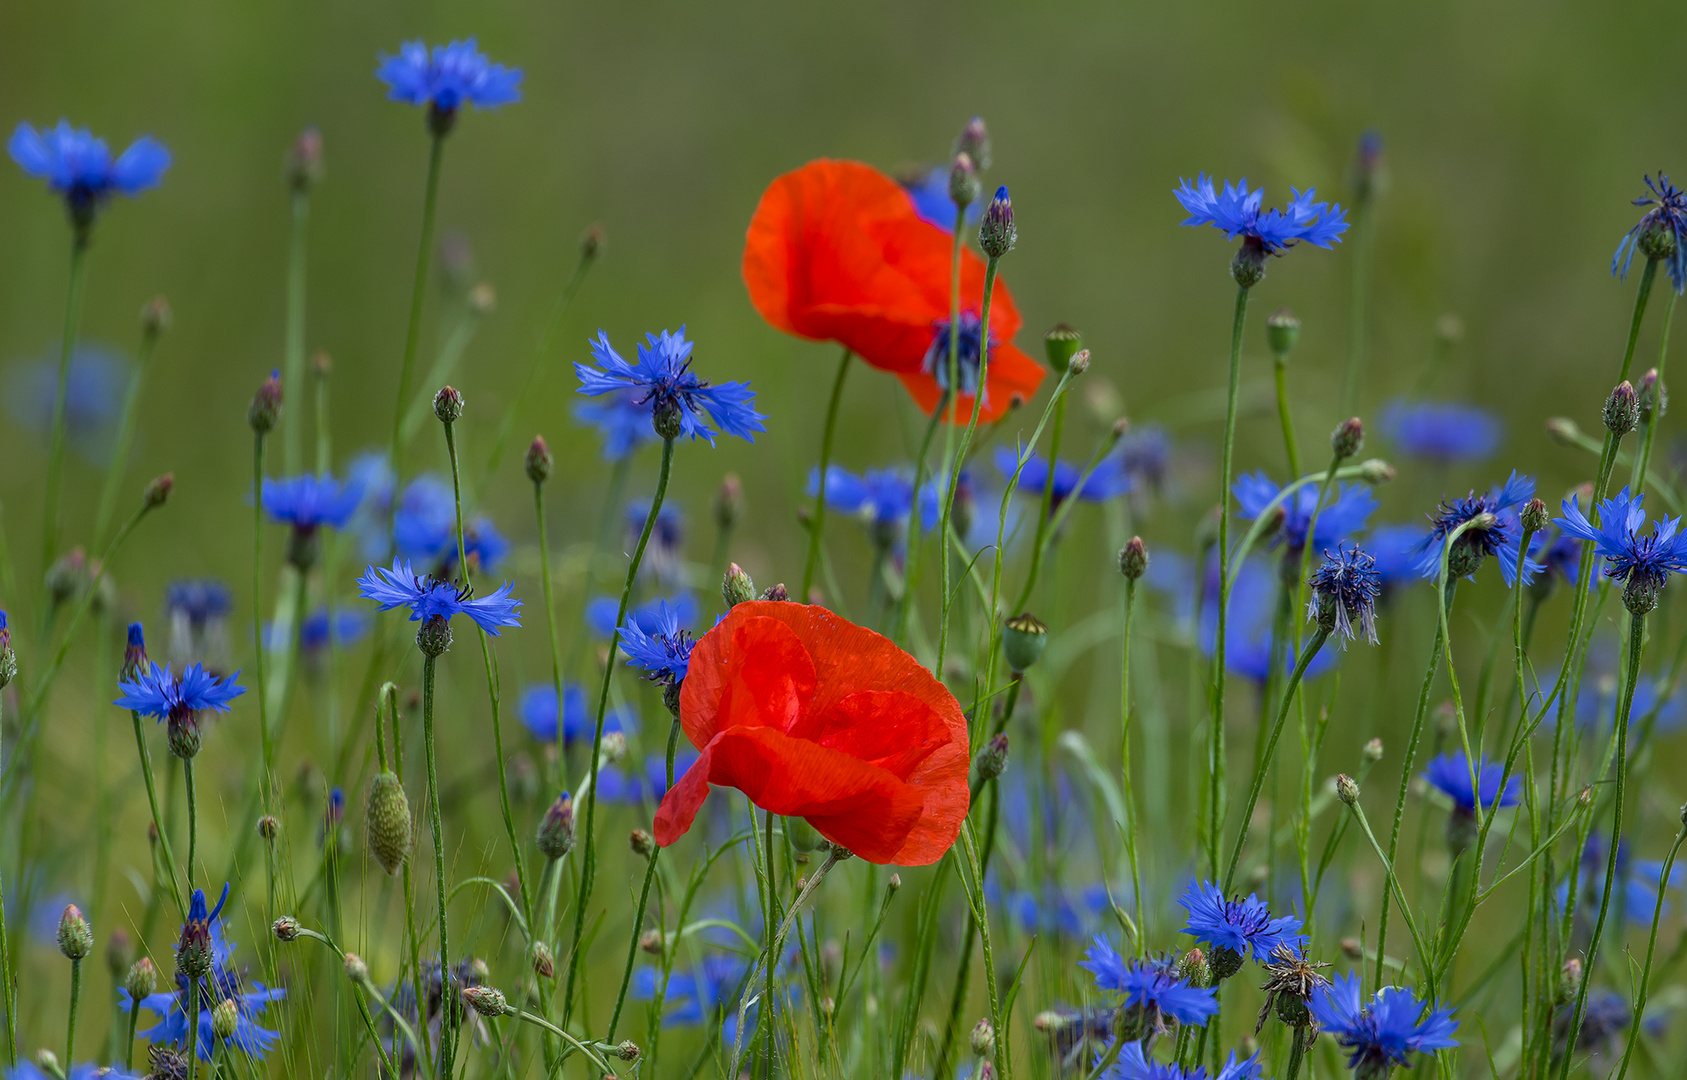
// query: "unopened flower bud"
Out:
[1622,410]
[642,843]
[158,491]
[894,883]
[1133,559]
[1024,637]
[991,760]
[964,185]
[729,501]
[434,637]
[1353,948]
[1079,363]
[142,979]
[155,316]
[387,821]
[544,964]
[321,365]
[974,142]
[118,950]
[615,746]
[1654,399]
[1282,331]
[651,941]
[627,1051]
[737,588]
[1569,980]
[1346,789]
[448,404]
[776,592]
[1376,471]
[1347,438]
[357,970]
[265,409]
[48,1062]
[996,232]
[268,826]
[286,928]
[76,937]
[304,159]
[983,1038]
[592,241]
[225,1019]
[1193,968]
[556,829]
[486,1001]
[538,461]
[1373,750]
[1062,344]
[1563,430]
[483,299]
[804,837]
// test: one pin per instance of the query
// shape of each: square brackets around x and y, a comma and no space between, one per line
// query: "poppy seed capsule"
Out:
[1024,637]
[556,829]
[1622,409]
[997,233]
[736,588]
[538,461]
[1347,438]
[1282,331]
[76,937]
[142,979]
[448,404]
[1133,559]
[1061,344]
[803,836]
[265,409]
[386,814]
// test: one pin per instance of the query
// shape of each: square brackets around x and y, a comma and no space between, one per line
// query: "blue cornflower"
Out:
[1107,481]
[1149,986]
[1236,212]
[539,714]
[1599,694]
[430,597]
[1394,548]
[1236,929]
[347,627]
[198,600]
[602,610]
[1561,561]
[447,76]
[664,554]
[424,530]
[623,421]
[1498,532]
[1348,508]
[663,652]
[156,692]
[224,983]
[631,787]
[1643,562]
[373,476]
[87,1070]
[677,397]
[1450,774]
[308,502]
[1442,432]
[968,352]
[1345,589]
[1135,1064]
[1662,229]
[1637,880]
[883,498]
[1144,455]
[80,167]
[95,384]
[1249,632]
[696,994]
[1606,1020]
[1381,1033]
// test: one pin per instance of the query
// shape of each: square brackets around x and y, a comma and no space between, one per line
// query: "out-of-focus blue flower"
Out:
[1384,1031]
[1562,560]
[1134,1064]
[1349,507]
[1107,481]
[1637,880]
[224,983]
[1348,584]
[80,168]
[308,501]
[427,597]
[86,1070]
[1668,214]
[199,600]
[1643,562]
[348,627]
[601,612]
[969,357]
[664,553]
[538,711]
[1395,549]
[623,421]
[447,76]
[198,612]
[156,692]
[664,652]
[884,498]
[1149,985]
[618,785]
[1451,775]
[1235,211]
[665,381]
[1501,537]
[1245,927]
[928,190]
[1144,455]
[1249,629]
[1606,1020]
[1172,575]
[95,384]
[424,529]
[696,994]
[1442,432]
[372,523]
[1600,692]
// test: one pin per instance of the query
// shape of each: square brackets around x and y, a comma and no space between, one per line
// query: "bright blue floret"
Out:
[447,76]
[1149,986]
[1645,562]
[1450,774]
[665,382]
[1349,507]
[427,597]
[156,692]
[307,502]
[1134,1064]
[1501,537]
[623,421]
[1442,432]
[884,497]
[86,1070]
[648,616]
[1382,1032]
[80,167]
[538,711]
[95,384]
[1108,480]
[1668,213]
[663,652]
[225,982]
[1235,211]
[1244,927]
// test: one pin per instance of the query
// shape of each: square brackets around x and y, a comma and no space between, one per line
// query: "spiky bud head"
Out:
[997,233]
[983,1038]
[181,730]
[1024,637]
[991,759]
[1062,344]
[265,409]
[1133,559]
[776,592]
[1347,438]
[156,316]
[1079,363]
[615,746]
[729,501]
[269,826]
[225,1019]
[286,928]
[1376,471]
[964,185]
[893,884]
[1654,398]
[357,969]
[486,1001]
[736,587]
[434,637]
[1372,750]
[1640,594]
[1194,968]
[76,937]
[386,816]
[642,843]
[1247,269]
[1622,409]
[1347,789]
[1657,240]
[1534,516]
[556,829]
[544,963]
[538,460]
[1282,332]
[974,142]
[653,942]
[1569,980]
[627,1051]
[119,950]
[142,979]
[448,404]
[158,490]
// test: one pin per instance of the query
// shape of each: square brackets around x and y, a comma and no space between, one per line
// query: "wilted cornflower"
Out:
[1605,1022]
[430,597]
[1291,982]
[677,397]
[79,167]
[1661,233]
[623,421]
[1384,1031]
[198,611]
[539,714]
[1152,991]
[1441,432]
[1236,929]
[93,395]
[664,652]
[1134,1064]
[447,76]
[1107,481]
[223,982]
[1643,563]
[1344,594]
[601,612]
[882,498]
[664,553]
[1498,532]
[179,701]
[1348,508]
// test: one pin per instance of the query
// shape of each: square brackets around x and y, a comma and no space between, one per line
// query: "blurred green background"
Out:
[1516,133]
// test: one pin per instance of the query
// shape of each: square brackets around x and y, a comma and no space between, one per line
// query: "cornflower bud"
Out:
[642,843]
[1347,438]
[286,928]
[386,819]
[48,1062]
[1654,399]
[996,232]
[142,979]
[486,1001]
[592,241]
[304,160]
[8,658]
[615,746]
[1193,968]
[737,588]
[627,1051]
[357,969]
[483,299]
[991,760]
[1247,269]
[556,829]
[1079,363]
[1373,750]
[1282,331]
[265,409]
[538,460]
[652,942]
[544,964]
[1346,789]
[118,949]
[76,937]
[448,404]
[1569,980]
[1353,948]
[1133,559]
[729,501]
[225,1019]
[983,1038]
[155,317]
[1622,410]
[1061,344]
[964,186]
[1376,471]
[775,592]
[321,365]
[1534,516]
[268,826]
[974,142]
[1024,637]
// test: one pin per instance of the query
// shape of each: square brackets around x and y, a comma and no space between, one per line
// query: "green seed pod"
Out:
[387,820]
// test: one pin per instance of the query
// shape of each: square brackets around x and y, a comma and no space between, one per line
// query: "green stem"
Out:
[910,566]
[1045,506]
[643,902]
[418,294]
[157,818]
[1651,948]
[446,1043]
[265,736]
[193,1026]
[1640,297]
[1215,740]
[75,1000]
[192,820]
[1280,363]
[125,439]
[293,348]
[550,618]
[1129,787]
[818,524]
[8,988]
[588,865]
[1643,459]
[55,454]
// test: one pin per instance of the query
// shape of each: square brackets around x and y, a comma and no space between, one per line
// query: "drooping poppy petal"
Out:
[836,251]
[812,716]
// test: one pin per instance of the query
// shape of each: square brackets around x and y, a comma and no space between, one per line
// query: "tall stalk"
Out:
[55,453]
[418,294]
[817,524]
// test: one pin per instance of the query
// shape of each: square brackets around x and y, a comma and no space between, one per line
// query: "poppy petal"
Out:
[770,676]
[680,805]
[887,728]
[1013,379]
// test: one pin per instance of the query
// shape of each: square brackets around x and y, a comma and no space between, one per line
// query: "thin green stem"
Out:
[1129,787]
[1651,949]
[818,524]
[418,295]
[1215,739]
[75,1001]
[293,347]
[1281,368]
[157,818]
[1640,297]
[125,439]
[1358,297]
[192,820]
[265,736]
[911,561]
[1045,507]
[67,345]
[193,1023]
[1643,459]
[643,901]
[436,823]
[550,616]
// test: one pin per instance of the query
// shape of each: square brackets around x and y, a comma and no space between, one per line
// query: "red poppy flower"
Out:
[814,717]
[836,252]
